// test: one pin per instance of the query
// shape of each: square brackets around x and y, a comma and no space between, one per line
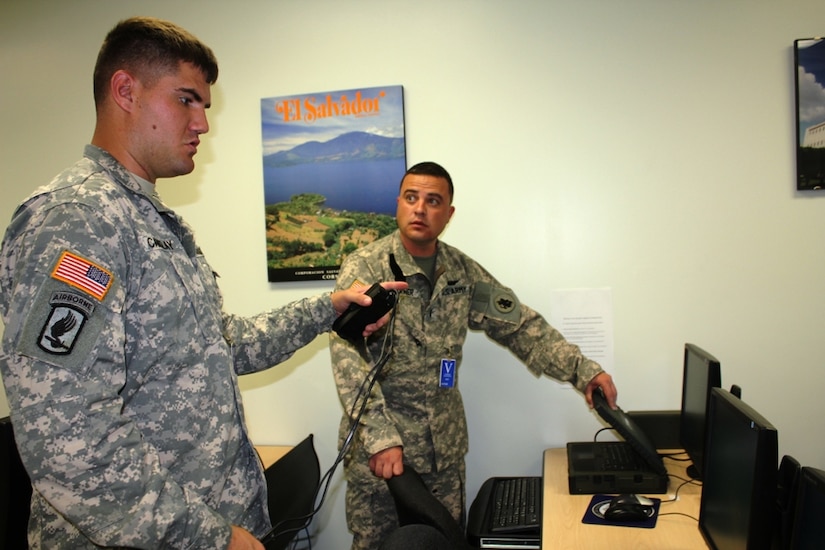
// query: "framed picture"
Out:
[809,62]
[332,164]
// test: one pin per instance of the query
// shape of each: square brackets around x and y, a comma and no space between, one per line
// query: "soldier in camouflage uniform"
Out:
[118,361]
[415,414]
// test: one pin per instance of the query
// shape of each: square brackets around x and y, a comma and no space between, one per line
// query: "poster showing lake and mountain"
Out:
[332,164]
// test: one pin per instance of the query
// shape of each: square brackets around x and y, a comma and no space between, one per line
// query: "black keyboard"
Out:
[516,504]
[621,457]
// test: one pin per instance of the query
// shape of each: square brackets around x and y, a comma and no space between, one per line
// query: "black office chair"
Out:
[15,492]
[292,483]
[416,537]
[417,506]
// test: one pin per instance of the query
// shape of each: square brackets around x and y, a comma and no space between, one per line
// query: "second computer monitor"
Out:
[700,373]
[738,504]
[808,530]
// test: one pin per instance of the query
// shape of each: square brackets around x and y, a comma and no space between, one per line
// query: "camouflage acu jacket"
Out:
[416,402]
[121,369]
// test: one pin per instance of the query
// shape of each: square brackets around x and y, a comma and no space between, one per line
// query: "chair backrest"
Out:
[416,504]
[292,483]
[15,492]
[416,537]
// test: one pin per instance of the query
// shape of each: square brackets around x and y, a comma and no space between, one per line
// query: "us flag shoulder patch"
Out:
[356,284]
[83,275]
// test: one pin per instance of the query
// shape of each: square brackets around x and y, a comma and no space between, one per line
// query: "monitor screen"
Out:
[700,373]
[738,506]
[808,531]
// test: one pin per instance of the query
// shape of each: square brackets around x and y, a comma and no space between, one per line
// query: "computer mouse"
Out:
[629,508]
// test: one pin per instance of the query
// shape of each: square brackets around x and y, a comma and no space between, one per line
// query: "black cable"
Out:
[676,497]
[596,435]
[679,487]
[679,514]
[326,479]
[676,457]
[293,545]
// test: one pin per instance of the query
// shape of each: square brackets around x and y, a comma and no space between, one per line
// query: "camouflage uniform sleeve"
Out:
[497,311]
[84,457]
[350,369]
[272,337]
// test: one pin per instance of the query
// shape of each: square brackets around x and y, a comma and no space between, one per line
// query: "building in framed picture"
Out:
[809,58]
[332,163]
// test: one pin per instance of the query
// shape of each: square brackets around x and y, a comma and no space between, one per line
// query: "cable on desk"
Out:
[676,497]
[675,456]
[679,514]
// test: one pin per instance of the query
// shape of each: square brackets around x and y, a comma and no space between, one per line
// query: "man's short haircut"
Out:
[149,48]
[433,169]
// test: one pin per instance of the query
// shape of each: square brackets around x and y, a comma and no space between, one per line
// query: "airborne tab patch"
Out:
[68,315]
[83,275]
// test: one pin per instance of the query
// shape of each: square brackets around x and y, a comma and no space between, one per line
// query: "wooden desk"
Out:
[562,526]
[271,453]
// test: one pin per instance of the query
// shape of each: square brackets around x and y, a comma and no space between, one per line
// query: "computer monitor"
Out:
[787,486]
[737,510]
[700,373]
[808,530]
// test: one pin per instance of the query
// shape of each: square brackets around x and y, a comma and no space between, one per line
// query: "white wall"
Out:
[643,145]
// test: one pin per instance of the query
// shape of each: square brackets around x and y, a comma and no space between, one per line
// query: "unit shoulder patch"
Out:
[505,302]
[69,312]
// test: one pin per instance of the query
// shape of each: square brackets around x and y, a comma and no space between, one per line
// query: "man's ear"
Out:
[122,89]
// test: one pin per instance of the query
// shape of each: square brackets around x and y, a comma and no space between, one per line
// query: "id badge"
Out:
[447,376]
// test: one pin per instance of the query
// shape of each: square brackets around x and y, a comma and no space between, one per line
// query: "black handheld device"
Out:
[351,323]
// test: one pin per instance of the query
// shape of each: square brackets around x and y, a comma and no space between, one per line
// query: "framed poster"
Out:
[809,62]
[332,164]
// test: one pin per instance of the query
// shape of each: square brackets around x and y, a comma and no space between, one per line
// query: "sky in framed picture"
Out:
[809,61]
[332,163]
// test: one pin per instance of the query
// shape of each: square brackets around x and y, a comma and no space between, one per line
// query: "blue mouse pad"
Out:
[598,504]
